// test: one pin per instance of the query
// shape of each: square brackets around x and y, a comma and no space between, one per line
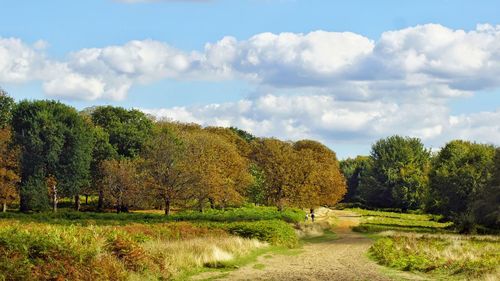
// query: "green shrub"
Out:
[275,232]
[243,214]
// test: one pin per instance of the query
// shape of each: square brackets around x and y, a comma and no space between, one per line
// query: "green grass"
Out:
[421,243]
[65,216]
[378,221]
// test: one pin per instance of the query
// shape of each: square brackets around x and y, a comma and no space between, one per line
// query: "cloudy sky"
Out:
[342,72]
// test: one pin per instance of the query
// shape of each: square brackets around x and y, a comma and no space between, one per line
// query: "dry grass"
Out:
[179,256]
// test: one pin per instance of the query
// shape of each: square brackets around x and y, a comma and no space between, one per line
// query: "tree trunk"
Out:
[54,198]
[77,203]
[200,206]
[86,199]
[100,202]
[167,205]
[212,203]
[4,207]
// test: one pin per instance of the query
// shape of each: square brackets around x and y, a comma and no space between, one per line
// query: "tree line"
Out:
[128,160]
[461,181]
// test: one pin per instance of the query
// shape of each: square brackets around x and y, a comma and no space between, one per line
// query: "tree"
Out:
[9,168]
[460,173]
[222,173]
[54,141]
[487,206]
[276,160]
[122,182]
[167,165]
[398,177]
[319,181]
[102,150]
[6,105]
[128,130]
[233,137]
[243,134]
[354,170]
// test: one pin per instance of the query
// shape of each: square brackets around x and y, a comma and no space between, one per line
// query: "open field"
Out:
[419,243]
[93,246]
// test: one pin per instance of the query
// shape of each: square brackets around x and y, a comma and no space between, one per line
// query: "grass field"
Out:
[420,243]
[107,246]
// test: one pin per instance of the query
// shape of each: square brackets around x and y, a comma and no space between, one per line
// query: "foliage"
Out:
[243,214]
[222,173]
[318,181]
[398,176]
[168,166]
[54,140]
[461,171]
[128,129]
[34,251]
[302,174]
[275,232]
[6,105]
[122,183]
[9,168]
[486,208]
[354,171]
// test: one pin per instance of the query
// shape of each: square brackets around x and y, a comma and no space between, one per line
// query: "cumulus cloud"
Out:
[333,121]
[323,85]
[421,61]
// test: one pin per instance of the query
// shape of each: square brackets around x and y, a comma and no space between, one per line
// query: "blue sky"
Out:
[434,101]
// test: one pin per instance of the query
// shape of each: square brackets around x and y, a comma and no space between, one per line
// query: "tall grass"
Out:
[39,251]
[420,242]
[452,255]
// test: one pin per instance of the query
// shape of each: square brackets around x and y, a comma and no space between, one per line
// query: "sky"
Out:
[345,73]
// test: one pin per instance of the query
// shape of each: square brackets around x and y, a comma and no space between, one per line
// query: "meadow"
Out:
[421,243]
[136,246]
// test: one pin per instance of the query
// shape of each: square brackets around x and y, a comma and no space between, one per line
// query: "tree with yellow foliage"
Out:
[221,173]
[9,168]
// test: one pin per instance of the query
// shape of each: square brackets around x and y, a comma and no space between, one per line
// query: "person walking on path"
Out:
[312,215]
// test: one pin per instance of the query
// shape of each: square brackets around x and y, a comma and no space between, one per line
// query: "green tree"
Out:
[487,206]
[460,173]
[102,151]
[398,177]
[128,130]
[6,105]
[54,142]
[354,170]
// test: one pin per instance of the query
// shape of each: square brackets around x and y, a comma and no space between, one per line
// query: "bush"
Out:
[275,232]
[243,214]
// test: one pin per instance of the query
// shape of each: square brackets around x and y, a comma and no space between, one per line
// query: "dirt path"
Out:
[337,259]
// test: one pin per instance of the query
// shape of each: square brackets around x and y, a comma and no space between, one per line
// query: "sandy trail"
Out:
[337,259]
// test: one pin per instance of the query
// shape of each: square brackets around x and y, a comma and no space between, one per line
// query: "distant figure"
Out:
[306,218]
[312,215]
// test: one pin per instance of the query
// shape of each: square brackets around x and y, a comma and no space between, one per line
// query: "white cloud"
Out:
[326,85]
[421,61]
